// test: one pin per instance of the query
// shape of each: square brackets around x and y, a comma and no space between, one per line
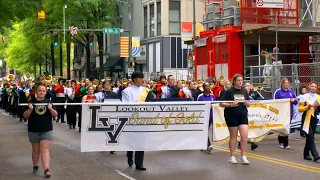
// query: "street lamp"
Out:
[64,23]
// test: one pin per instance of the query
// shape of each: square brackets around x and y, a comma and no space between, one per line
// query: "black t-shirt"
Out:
[232,95]
[40,119]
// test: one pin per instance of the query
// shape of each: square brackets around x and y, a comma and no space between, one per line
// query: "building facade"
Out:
[165,25]
[114,66]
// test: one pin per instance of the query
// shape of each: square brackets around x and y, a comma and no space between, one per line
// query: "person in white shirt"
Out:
[136,93]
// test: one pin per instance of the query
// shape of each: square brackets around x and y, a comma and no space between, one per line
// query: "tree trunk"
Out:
[53,64]
[100,43]
[88,55]
[68,60]
[61,70]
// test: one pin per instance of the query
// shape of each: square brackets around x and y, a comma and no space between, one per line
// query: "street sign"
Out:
[73,30]
[112,30]
[130,71]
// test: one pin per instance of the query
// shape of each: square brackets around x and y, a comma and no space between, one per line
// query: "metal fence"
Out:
[270,76]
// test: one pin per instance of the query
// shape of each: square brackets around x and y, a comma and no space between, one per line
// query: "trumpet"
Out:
[95,83]
[10,77]
[124,81]
[258,88]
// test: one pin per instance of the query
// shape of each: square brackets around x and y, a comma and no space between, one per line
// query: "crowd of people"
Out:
[59,90]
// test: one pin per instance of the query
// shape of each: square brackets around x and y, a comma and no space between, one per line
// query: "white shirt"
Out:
[131,93]
[68,91]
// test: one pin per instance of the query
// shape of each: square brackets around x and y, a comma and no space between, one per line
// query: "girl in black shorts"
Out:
[236,117]
[40,128]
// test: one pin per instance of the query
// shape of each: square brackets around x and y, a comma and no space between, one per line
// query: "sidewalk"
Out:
[66,164]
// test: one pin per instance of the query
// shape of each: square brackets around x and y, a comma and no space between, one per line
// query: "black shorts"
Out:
[237,120]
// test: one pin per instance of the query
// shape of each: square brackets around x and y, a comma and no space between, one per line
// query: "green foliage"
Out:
[28,39]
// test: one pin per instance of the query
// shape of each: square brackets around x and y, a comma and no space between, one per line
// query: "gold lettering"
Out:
[218,125]
[136,119]
[274,110]
[166,120]
[192,119]
[258,105]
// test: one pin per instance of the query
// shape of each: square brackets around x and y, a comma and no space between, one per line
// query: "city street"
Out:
[67,162]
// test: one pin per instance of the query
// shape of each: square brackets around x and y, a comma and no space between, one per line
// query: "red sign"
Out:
[186,27]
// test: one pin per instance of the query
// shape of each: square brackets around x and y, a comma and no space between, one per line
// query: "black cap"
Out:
[137,74]
[62,79]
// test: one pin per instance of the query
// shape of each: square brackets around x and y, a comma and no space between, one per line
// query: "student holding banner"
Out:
[40,128]
[236,117]
[309,106]
[136,93]
[285,93]
[207,96]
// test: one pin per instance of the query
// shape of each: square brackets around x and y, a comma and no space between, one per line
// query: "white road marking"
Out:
[124,175]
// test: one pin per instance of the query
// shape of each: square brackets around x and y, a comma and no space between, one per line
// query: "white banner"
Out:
[144,126]
[264,117]
[270,4]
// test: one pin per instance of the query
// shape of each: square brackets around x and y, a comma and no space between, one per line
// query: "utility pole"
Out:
[194,18]
[53,64]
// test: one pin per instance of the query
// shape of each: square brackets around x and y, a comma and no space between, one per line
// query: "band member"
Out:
[14,99]
[40,129]
[84,85]
[60,98]
[68,93]
[170,90]
[236,117]
[310,120]
[136,93]
[207,96]
[77,99]
[5,96]
[285,93]
[24,93]
[89,98]
[106,93]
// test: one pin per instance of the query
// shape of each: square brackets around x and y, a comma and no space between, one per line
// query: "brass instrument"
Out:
[24,78]
[108,78]
[221,78]
[95,83]
[183,82]
[48,78]
[124,81]
[258,88]
[10,77]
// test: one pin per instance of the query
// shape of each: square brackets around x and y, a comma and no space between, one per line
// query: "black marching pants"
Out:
[310,145]
[60,109]
[138,157]
[283,140]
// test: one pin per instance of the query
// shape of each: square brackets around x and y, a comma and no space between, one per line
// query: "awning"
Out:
[114,63]
[282,29]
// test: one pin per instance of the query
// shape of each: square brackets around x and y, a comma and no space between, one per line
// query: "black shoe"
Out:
[74,127]
[141,168]
[79,129]
[70,127]
[130,161]
[63,122]
[315,159]
[307,157]
[47,173]
[254,146]
[35,169]
[112,152]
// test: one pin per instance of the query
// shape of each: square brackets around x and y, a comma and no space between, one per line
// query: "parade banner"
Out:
[264,117]
[144,126]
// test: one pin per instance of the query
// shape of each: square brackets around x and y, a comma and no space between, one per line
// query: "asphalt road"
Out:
[67,162]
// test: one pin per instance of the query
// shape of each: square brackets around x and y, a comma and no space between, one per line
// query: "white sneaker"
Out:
[233,160]
[287,147]
[281,146]
[210,149]
[244,160]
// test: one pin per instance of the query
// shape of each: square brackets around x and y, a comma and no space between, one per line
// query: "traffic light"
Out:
[55,40]
[91,40]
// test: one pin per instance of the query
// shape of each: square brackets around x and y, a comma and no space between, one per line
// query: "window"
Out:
[145,21]
[159,18]
[152,20]
[174,17]
[174,52]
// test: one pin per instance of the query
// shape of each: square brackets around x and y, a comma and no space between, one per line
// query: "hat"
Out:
[62,79]
[73,81]
[137,74]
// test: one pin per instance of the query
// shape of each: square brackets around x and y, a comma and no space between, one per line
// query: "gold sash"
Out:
[309,114]
[143,95]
